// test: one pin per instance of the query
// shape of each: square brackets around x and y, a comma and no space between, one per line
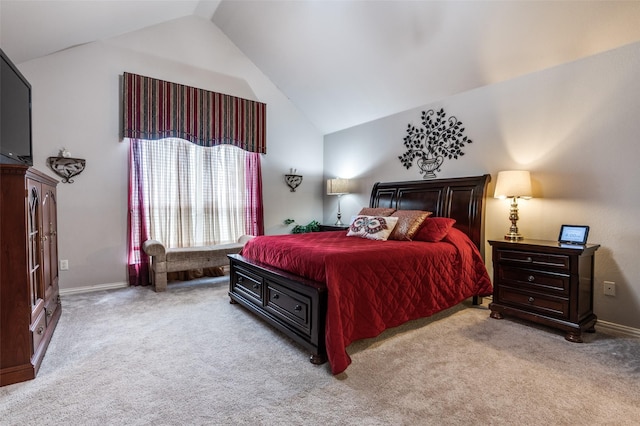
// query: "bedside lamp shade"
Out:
[513,184]
[337,186]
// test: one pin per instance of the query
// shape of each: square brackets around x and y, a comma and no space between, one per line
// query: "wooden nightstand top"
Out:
[544,245]
[324,228]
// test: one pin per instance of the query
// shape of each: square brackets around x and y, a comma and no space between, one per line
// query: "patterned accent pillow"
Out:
[376,211]
[434,229]
[409,221]
[372,227]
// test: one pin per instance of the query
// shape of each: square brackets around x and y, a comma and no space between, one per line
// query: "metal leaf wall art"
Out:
[438,138]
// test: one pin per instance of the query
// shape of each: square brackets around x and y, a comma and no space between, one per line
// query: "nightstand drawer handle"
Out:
[531,300]
[298,308]
[256,286]
[529,259]
[531,278]
[276,296]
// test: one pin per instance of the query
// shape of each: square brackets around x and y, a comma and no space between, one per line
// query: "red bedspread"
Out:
[375,285]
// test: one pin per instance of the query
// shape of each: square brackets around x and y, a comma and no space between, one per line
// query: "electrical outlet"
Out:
[64,265]
[609,288]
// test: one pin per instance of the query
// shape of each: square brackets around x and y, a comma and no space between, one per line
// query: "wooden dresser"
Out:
[29,296]
[546,283]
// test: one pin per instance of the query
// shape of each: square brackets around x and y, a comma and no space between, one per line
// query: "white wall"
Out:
[576,127]
[76,104]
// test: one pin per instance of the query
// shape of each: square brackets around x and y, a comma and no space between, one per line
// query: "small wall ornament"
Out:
[66,166]
[292,179]
[439,138]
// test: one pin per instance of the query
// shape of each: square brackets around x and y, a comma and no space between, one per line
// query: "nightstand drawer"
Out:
[552,306]
[531,279]
[289,306]
[531,259]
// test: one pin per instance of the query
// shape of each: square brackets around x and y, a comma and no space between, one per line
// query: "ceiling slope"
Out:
[347,62]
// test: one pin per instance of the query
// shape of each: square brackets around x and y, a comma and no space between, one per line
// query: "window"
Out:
[205,188]
[188,195]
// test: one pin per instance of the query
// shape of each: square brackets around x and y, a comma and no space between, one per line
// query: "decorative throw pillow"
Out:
[372,227]
[409,221]
[434,229]
[376,211]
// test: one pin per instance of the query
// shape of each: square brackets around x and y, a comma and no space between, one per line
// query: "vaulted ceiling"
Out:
[345,62]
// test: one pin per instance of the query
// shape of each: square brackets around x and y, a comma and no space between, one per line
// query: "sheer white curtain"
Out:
[191,195]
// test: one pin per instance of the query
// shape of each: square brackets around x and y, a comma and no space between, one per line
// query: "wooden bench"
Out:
[165,260]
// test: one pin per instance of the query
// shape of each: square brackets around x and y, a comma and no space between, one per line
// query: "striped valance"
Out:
[157,109]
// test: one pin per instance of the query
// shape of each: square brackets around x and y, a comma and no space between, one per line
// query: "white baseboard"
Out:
[617,328]
[90,288]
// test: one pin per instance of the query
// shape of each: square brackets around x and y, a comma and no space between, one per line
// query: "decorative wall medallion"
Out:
[292,179]
[66,167]
[439,138]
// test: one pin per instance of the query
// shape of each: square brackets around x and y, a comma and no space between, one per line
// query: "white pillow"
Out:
[372,227]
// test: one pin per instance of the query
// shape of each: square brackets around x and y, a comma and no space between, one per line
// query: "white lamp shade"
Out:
[513,183]
[337,186]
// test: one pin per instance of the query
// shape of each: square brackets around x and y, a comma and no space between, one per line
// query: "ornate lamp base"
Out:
[339,221]
[513,237]
[513,234]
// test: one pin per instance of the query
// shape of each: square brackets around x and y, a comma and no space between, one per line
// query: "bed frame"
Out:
[297,306]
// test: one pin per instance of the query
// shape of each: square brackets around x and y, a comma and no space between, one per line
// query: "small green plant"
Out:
[312,226]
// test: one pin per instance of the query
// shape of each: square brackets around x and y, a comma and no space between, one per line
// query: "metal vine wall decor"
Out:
[438,138]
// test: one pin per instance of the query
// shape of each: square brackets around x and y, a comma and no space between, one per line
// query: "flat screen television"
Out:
[15,114]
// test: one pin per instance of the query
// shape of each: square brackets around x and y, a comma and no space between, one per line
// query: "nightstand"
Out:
[324,228]
[545,282]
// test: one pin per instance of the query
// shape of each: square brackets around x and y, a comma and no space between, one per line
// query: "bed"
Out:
[325,290]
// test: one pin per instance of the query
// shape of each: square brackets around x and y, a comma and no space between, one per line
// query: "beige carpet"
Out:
[134,357]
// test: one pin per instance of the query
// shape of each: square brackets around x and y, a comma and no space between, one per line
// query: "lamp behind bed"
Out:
[338,187]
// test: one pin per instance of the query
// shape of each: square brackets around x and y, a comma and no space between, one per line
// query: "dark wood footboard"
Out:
[295,306]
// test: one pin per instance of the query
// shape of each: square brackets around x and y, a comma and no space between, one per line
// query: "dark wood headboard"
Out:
[461,199]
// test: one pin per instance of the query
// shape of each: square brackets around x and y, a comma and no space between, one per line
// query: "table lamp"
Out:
[513,184]
[338,187]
